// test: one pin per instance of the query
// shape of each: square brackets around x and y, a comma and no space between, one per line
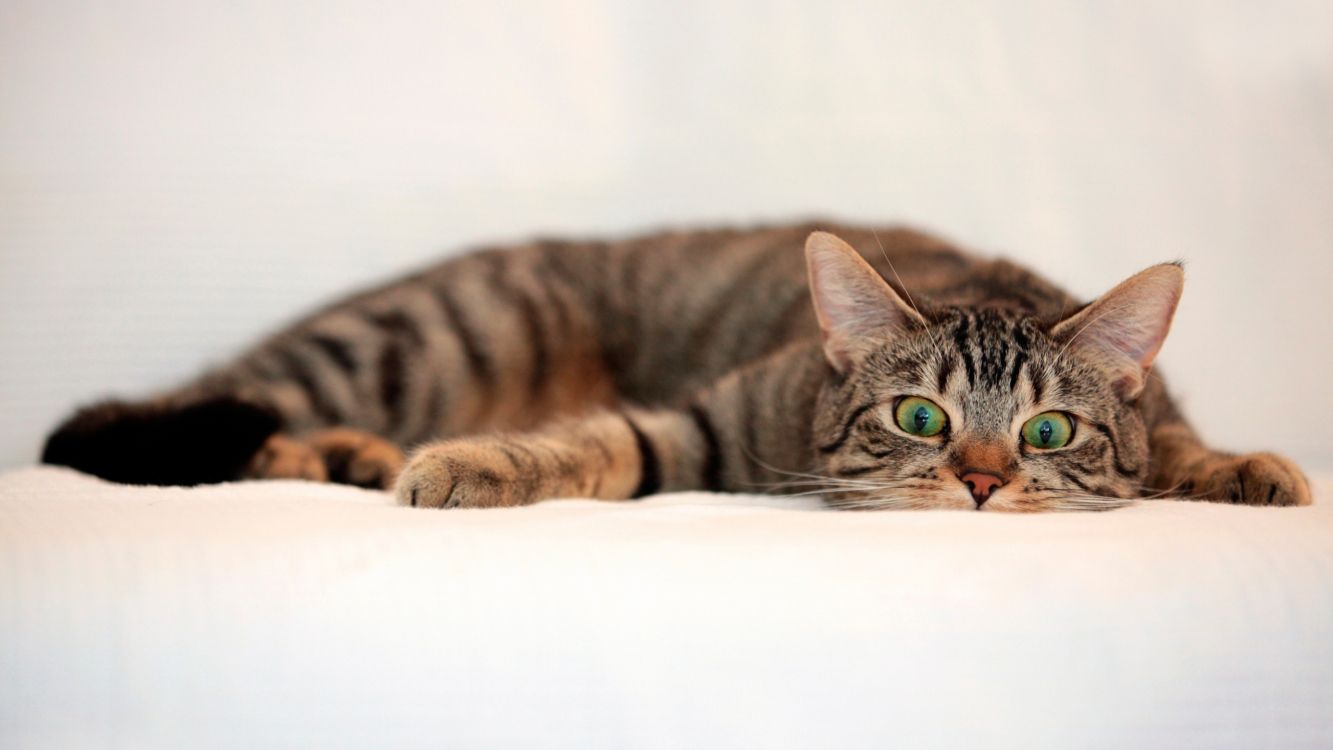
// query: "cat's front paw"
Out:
[463,474]
[1251,479]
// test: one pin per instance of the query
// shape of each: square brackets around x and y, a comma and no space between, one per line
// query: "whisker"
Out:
[882,501]
[1162,493]
[1074,501]
[814,478]
[818,482]
[819,493]
[939,349]
[1108,311]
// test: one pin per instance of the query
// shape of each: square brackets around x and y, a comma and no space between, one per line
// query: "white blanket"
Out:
[302,615]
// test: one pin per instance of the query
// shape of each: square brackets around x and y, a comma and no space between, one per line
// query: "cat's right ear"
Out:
[857,309]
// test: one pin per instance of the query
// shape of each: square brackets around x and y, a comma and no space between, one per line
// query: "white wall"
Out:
[175,178]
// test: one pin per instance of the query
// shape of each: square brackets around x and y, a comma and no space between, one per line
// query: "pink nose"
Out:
[982,485]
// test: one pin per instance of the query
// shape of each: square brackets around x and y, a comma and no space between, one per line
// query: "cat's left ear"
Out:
[857,309]
[1123,330]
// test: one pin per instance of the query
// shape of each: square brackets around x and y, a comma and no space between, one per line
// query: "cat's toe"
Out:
[424,483]
[359,458]
[1257,479]
[456,476]
[283,457]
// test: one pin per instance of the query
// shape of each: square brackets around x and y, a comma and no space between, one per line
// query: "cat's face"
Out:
[981,409]
[980,398]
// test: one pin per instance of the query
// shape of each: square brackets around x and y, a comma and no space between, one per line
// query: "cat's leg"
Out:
[340,454]
[1181,465]
[493,341]
[596,456]
[608,456]
[485,343]
[733,436]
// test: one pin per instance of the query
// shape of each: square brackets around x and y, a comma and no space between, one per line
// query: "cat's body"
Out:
[696,360]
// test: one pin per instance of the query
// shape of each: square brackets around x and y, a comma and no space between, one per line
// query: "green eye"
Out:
[918,416]
[1049,430]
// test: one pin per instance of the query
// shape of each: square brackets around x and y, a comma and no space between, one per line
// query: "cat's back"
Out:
[765,265]
[650,316]
[707,277]
[678,308]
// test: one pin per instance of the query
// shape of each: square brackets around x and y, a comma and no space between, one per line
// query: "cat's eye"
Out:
[919,416]
[1049,430]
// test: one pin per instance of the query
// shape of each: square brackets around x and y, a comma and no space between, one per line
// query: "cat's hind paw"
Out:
[357,457]
[340,454]
[283,457]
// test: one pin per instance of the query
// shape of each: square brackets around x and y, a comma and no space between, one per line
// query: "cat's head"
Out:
[984,409]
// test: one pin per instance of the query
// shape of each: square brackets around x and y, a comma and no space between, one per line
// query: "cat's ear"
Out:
[1123,330]
[857,310]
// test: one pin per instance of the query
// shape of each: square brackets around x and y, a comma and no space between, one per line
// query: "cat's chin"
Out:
[1009,502]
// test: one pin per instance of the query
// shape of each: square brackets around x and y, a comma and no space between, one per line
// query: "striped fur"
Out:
[688,360]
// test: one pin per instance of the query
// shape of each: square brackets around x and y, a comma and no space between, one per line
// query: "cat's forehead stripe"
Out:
[992,347]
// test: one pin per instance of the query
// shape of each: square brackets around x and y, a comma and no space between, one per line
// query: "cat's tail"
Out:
[185,439]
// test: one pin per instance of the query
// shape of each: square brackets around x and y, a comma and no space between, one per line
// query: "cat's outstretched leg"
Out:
[607,456]
[726,439]
[1182,466]
[598,457]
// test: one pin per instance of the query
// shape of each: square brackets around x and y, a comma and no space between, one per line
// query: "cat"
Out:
[879,369]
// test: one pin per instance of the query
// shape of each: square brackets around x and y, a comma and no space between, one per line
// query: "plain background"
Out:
[176,178]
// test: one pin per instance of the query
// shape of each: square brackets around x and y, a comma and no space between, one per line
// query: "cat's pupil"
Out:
[920,418]
[1045,432]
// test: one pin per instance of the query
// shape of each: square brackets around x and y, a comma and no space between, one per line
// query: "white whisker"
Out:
[930,332]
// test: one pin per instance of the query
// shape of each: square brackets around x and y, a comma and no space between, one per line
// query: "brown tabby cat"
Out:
[922,377]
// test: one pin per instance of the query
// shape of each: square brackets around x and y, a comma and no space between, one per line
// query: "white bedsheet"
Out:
[301,615]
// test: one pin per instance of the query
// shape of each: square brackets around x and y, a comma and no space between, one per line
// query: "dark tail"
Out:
[202,441]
